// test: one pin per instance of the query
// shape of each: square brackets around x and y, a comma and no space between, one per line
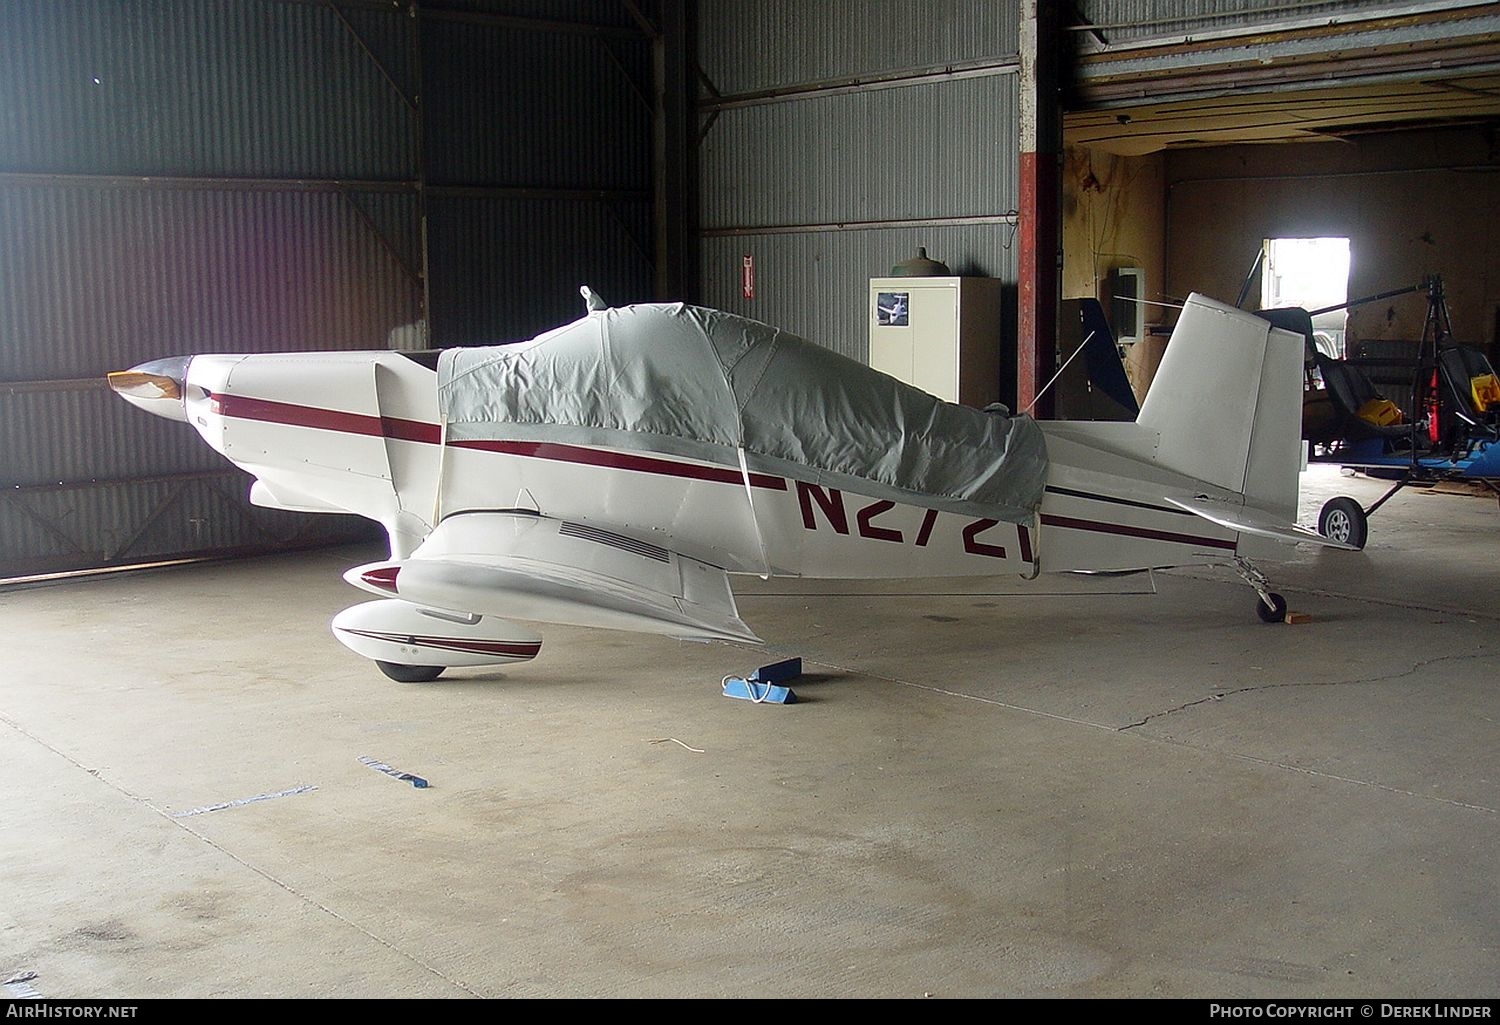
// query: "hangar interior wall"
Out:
[1112,216]
[1412,204]
[868,130]
[180,177]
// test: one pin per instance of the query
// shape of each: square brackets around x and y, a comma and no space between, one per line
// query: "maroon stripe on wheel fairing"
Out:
[511,649]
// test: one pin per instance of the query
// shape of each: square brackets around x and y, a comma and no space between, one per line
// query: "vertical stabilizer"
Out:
[1227,404]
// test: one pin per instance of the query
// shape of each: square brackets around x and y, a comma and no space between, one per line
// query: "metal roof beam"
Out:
[911,222]
[865,83]
[194,183]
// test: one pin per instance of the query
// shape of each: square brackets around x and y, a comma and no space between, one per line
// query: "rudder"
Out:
[1226,404]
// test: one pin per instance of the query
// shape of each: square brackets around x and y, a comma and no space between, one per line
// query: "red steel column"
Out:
[1039,235]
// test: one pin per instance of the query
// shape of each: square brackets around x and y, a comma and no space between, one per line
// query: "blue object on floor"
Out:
[760,693]
[777,672]
[761,686]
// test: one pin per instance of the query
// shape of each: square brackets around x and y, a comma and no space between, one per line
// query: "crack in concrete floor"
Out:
[1232,692]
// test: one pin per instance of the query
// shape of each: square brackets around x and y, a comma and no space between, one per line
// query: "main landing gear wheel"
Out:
[409,674]
[1275,612]
[1344,519]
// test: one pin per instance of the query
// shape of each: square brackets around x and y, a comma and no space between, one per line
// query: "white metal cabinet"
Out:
[941,334]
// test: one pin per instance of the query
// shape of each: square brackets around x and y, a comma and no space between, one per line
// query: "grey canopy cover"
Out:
[702,384]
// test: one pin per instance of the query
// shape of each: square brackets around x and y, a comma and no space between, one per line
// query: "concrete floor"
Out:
[980,795]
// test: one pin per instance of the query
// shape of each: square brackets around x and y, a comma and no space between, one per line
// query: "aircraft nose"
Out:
[157,387]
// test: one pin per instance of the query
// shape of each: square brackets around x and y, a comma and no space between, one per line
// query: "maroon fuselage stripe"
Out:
[621,461]
[1095,526]
[267,411]
[410,430]
[243,407]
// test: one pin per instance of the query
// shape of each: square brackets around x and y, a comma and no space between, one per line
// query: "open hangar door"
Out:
[179,177]
[1191,139]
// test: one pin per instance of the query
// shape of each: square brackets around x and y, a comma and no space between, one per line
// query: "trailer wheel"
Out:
[1343,519]
[409,674]
[1272,613]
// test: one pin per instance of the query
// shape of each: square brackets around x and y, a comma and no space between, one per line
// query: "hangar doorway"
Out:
[1312,273]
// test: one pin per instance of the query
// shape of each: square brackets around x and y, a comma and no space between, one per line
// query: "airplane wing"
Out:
[519,565]
[1259,522]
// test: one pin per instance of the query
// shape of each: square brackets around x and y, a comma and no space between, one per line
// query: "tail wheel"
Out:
[1275,612]
[1343,519]
[409,674]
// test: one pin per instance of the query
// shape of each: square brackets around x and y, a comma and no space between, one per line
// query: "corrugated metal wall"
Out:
[185,87]
[834,127]
[285,145]
[565,128]
[551,247]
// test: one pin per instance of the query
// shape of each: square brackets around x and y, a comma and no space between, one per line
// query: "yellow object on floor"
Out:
[1380,412]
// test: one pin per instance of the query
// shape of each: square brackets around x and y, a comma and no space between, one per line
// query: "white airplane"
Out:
[613,472]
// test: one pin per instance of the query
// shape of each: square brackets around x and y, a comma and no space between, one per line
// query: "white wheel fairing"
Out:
[399,632]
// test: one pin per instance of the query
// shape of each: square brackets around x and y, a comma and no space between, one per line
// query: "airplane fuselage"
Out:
[360,432]
[612,472]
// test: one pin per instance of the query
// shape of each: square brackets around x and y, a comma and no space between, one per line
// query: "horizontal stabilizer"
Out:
[1254,521]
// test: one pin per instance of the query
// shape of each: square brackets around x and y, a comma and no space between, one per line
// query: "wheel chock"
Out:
[777,672]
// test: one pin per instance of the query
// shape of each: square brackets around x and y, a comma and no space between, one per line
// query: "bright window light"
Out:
[1312,273]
